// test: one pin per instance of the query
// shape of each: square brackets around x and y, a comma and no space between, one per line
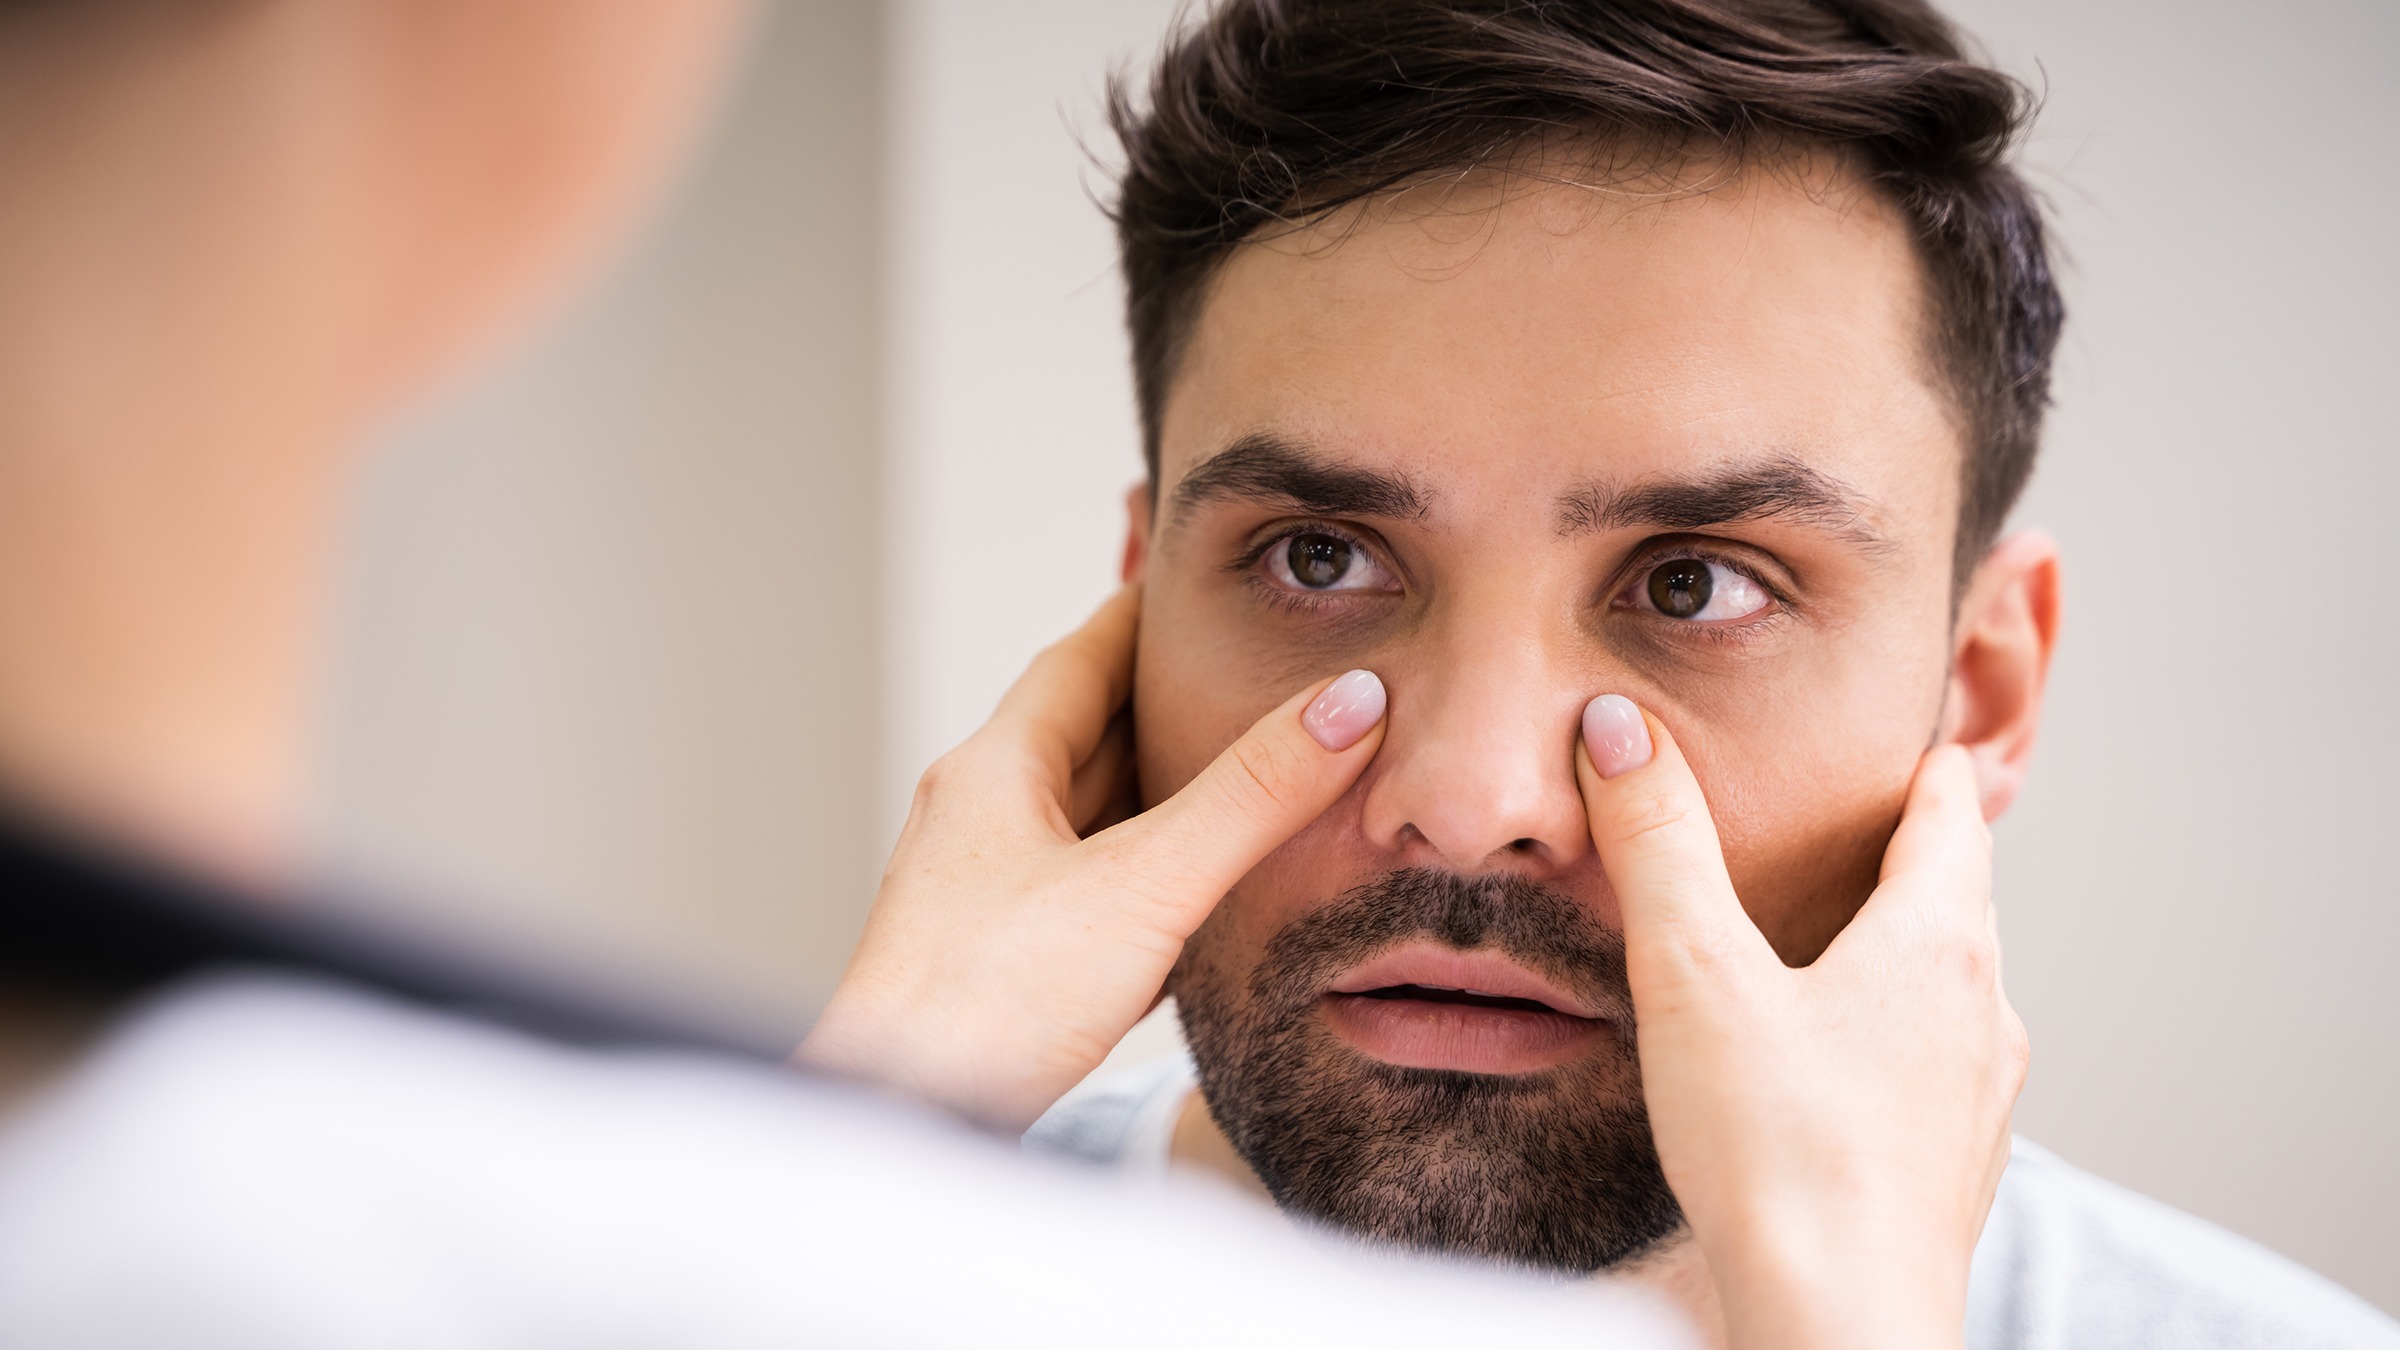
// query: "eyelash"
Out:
[1307,602]
[1736,631]
[1726,632]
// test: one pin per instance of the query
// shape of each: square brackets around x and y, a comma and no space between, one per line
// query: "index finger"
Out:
[1062,704]
[1657,841]
[1942,845]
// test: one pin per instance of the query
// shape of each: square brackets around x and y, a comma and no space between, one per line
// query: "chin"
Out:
[1438,1063]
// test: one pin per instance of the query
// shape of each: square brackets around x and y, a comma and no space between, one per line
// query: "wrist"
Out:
[1821,1285]
[915,1053]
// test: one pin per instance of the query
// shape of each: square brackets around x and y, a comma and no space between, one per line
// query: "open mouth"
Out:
[1432,1007]
[1465,998]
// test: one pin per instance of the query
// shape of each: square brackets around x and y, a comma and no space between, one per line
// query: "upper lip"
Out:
[1482,971]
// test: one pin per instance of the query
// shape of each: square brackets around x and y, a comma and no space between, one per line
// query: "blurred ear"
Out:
[2000,662]
[1137,532]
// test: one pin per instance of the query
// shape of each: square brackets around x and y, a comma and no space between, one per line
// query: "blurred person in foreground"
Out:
[238,232]
[1629,395]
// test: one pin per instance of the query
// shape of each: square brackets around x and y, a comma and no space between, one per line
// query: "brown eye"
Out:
[1318,561]
[1702,592]
[1680,588]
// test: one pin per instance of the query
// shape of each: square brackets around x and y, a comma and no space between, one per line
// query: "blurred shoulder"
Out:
[1123,1120]
[2070,1260]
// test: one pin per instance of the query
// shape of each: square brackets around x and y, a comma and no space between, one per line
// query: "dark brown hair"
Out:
[1267,114]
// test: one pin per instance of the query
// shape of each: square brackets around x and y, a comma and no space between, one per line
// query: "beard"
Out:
[1554,1170]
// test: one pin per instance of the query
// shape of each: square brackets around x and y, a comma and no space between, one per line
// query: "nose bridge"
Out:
[1478,763]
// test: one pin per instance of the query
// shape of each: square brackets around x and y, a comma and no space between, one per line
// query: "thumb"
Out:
[1936,884]
[1292,764]
[1658,844]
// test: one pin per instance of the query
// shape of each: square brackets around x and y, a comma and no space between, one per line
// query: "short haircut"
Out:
[1269,114]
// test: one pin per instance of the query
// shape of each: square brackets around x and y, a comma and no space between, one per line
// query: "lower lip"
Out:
[1420,1034]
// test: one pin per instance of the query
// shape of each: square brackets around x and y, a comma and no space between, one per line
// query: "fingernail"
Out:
[1348,709]
[1613,730]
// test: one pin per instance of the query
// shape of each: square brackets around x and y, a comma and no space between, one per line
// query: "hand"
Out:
[1836,1132]
[1006,953]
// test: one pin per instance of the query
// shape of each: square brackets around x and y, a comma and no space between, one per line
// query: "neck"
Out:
[157,611]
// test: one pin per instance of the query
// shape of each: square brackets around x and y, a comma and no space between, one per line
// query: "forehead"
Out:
[1504,333]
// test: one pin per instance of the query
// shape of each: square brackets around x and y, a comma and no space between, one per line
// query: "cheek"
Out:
[1200,681]
[1186,709]
[1203,676]
[1803,875]
[1806,792]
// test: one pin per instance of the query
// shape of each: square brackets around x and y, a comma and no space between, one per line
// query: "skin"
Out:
[1834,1133]
[1519,356]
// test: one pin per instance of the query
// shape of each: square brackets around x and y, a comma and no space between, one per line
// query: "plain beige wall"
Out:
[613,617]
[1012,422]
[639,646]
[2198,891]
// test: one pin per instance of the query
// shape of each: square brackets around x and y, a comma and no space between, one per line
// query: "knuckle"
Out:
[1270,775]
[1977,958]
[1982,954]
[967,771]
[1980,838]
[936,780]
[1650,815]
[1073,658]
[2016,1048]
[1707,955]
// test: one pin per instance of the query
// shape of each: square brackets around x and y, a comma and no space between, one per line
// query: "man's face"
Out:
[1511,450]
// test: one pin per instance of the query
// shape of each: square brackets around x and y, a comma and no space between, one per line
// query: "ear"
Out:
[2000,661]
[1137,532]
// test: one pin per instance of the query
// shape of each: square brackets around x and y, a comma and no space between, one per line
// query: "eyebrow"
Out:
[1781,488]
[1263,467]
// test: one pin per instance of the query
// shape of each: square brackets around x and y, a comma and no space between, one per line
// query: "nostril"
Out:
[1522,846]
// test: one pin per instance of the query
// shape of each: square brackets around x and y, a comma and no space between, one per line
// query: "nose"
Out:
[1477,769]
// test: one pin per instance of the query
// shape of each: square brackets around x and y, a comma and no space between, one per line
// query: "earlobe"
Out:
[1137,533]
[2000,662]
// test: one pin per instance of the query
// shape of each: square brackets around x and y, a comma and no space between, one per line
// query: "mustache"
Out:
[1535,924]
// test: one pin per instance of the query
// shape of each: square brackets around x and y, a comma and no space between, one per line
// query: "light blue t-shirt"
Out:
[2067,1261]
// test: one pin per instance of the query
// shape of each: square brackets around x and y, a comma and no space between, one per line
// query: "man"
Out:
[1550,361]
[235,235]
